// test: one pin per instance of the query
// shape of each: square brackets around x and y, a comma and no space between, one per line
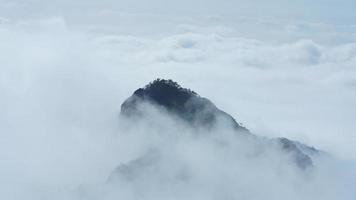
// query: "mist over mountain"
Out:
[200,114]
[271,115]
[195,150]
[186,104]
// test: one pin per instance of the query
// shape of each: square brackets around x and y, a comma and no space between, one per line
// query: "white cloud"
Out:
[63,78]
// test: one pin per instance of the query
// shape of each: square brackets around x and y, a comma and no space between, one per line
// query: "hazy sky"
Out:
[328,10]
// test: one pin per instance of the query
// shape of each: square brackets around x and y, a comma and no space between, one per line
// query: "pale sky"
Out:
[339,11]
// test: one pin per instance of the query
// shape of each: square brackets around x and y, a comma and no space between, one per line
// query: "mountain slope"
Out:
[197,113]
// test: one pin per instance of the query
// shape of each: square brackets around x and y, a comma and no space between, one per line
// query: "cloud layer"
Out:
[64,77]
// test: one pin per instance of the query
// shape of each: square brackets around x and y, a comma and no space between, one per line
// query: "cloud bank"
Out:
[63,78]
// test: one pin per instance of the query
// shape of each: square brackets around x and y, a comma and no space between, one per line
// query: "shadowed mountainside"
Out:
[184,103]
[197,112]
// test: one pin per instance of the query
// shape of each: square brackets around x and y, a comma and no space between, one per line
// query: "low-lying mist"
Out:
[160,157]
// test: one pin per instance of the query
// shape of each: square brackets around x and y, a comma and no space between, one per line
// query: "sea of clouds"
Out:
[65,68]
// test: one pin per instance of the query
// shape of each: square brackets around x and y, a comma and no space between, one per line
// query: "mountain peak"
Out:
[182,102]
[166,93]
[199,112]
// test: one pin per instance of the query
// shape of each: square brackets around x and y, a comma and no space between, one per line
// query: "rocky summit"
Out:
[184,103]
[199,112]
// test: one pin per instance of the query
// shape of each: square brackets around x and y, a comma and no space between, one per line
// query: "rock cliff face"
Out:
[196,112]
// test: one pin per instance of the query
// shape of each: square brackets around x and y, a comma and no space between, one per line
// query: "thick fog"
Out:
[284,69]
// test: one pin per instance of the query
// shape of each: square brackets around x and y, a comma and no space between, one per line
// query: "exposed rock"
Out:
[197,112]
[184,103]
[301,158]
